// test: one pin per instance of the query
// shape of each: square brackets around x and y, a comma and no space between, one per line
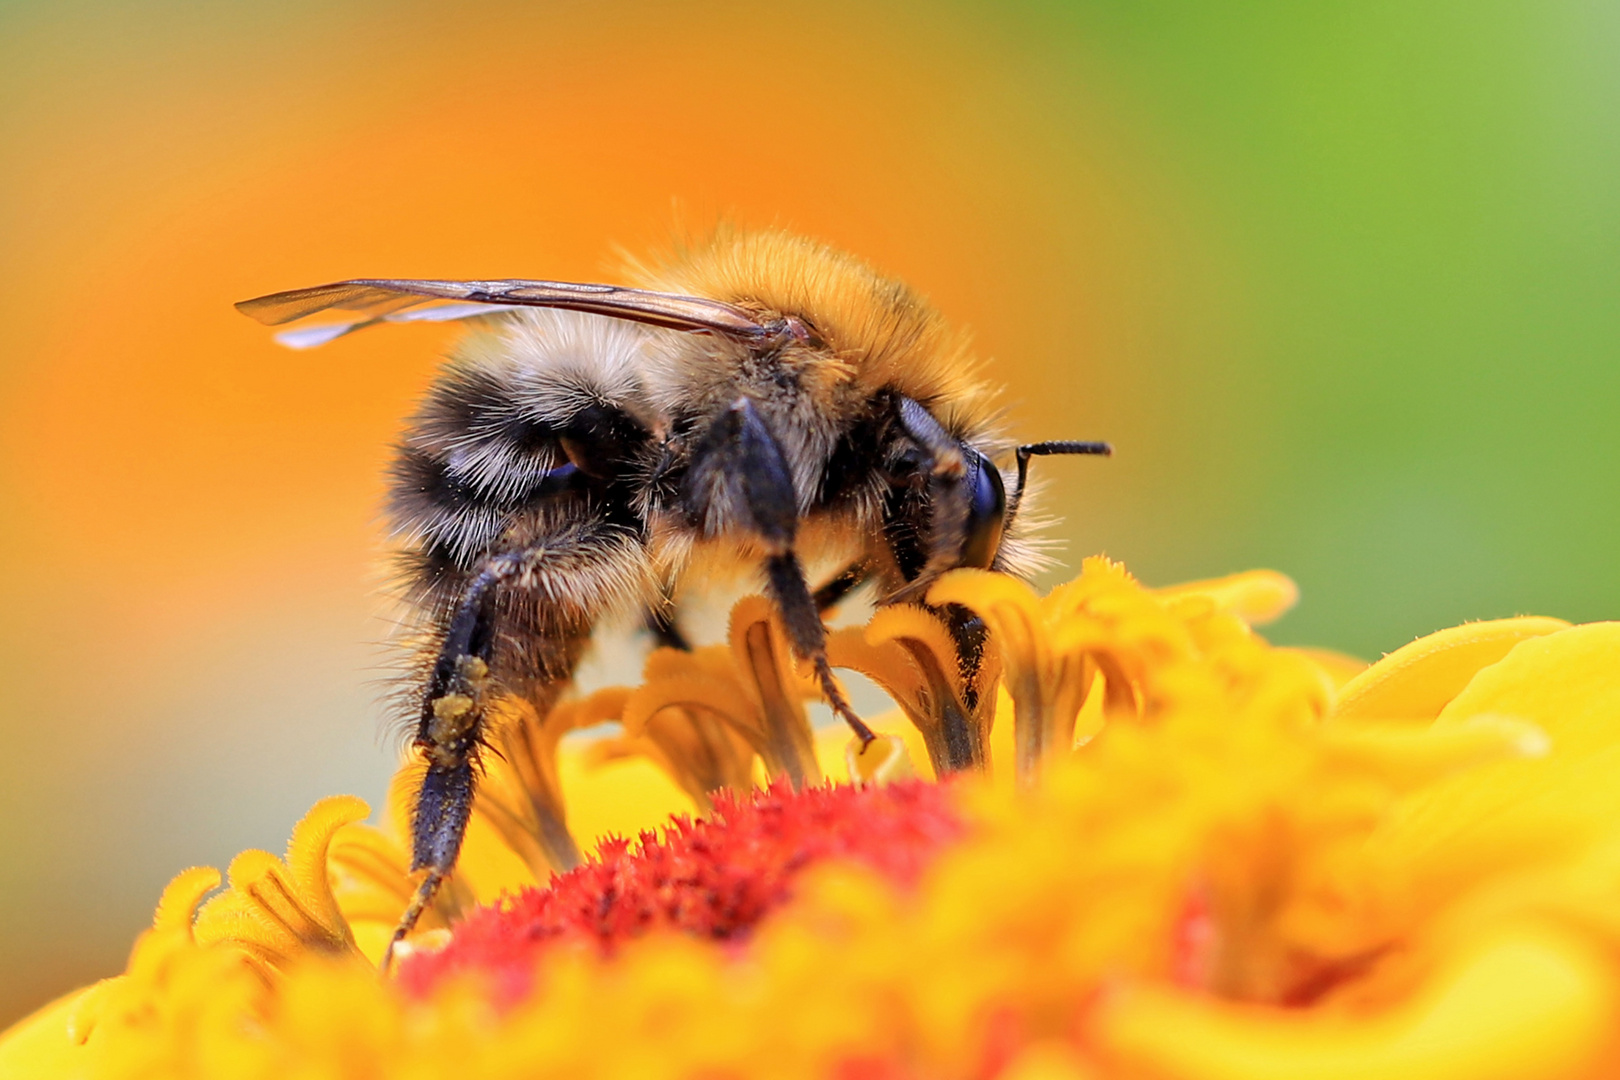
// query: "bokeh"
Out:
[1338,279]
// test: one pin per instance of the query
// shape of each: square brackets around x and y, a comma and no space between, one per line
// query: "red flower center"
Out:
[713,878]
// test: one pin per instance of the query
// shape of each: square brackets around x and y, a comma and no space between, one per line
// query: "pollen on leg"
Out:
[453,717]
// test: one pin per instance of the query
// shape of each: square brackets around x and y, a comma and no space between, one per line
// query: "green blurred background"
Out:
[1339,280]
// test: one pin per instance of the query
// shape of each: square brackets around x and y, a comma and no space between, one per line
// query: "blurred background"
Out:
[1338,279]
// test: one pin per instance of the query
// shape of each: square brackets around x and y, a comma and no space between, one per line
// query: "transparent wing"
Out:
[367,302]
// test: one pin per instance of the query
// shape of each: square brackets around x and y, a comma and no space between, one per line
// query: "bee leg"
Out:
[833,592]
[661,625]
[945,467]
[741,444]
[801,617]
[449,734]
[659,621]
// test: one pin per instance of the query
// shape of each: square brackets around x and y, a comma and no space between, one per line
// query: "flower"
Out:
[1157,846]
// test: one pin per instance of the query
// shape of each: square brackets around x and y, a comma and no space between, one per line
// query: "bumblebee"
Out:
[758,400]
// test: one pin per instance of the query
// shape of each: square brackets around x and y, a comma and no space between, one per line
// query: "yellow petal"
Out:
[1415,681]
[617,798]
[1255,596]
[370,875]
[1490,820]
[881,761]
[521,793]
[372,883]
[1568,682]
[40,1045]
[724,699]
[520,799]
[1530,1003]
[762,653]
[1408,757]
[306,853]
[909,652]
[700,752]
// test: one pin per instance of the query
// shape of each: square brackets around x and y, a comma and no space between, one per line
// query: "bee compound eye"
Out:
[987,509]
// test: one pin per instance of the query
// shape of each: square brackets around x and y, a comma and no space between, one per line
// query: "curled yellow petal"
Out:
[521,797]
[1033,675]
[277,910]
[694,747]
[883,661]
[177,907]
[1416,681]
[910,652]
[696,691]
[1255,596]
[372,884]
[750,685]
[306,857]
[370,875]
[779,691]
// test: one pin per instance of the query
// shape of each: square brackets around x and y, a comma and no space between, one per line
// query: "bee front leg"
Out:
[660,623]
[944,468]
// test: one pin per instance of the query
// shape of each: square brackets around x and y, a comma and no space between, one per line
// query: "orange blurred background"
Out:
[192,536]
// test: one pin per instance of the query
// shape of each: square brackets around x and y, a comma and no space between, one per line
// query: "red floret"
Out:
[713,878]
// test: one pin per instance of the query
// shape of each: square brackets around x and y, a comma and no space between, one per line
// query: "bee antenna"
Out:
[1047,449]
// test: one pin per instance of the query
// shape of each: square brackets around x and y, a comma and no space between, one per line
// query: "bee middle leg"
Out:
[741,445]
